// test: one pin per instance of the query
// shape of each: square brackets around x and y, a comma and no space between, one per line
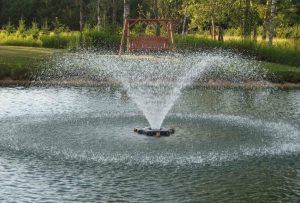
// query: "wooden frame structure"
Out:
[147,42]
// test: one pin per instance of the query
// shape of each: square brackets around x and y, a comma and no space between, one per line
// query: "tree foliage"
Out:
[245,16]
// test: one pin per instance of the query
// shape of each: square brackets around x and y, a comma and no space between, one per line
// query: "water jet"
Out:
[155,82]
[50,135]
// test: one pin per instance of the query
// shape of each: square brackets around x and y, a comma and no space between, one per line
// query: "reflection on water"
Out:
[77,144]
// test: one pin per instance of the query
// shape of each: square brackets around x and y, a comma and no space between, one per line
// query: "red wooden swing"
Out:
[147,42]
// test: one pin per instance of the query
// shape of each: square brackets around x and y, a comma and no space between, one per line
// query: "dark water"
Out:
[77,144]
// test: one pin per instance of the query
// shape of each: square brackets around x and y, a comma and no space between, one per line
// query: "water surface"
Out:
[77,144]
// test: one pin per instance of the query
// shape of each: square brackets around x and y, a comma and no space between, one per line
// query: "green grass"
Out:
[19,63]
[89,38]
[282,53]
[282,73]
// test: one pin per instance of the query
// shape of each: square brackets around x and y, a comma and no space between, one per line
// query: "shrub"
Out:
[21,28]
[58,27]
[54,41]
[45,27]
[34,30]
[9,28]
[100,39]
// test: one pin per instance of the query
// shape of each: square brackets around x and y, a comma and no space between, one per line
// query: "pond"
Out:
[77,144]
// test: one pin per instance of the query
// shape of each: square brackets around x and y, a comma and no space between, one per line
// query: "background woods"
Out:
[98,23]
[246,18]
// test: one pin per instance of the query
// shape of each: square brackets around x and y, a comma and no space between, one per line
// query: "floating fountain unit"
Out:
[155,132]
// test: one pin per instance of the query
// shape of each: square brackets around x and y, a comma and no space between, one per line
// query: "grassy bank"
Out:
[282,73]
[285,52]
[19,62]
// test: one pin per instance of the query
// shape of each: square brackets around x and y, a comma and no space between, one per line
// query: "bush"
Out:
[100,39]
[21,28]
[288,32]
[9,28]
[55,41]
[14,40]
[233,31]
[34,30]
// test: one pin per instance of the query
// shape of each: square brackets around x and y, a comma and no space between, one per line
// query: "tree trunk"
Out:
[213,33]
[155,9]
[98,15]
[220,35]
[184,19]
[126,15]
[126,9]
[241,17]
[264,28]
[272,22]
[255,32]
[114,12]
[247,24]
[81,15]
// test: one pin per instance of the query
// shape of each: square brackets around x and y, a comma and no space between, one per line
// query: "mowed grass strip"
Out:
[18,63]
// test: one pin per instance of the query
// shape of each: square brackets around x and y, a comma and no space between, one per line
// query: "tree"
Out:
[98,15]
[114,12]
[247,23]
[264,28]
[155,11]
[81,15]
[272,22]
[206,13]
[184,19]
[126,9]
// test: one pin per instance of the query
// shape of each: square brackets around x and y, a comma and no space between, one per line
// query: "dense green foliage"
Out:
[227,14]
[66,40]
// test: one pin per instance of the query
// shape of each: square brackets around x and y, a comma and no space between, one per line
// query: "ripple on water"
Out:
[88,153]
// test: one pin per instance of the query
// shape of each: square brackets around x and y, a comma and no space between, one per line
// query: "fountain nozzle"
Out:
[154,132]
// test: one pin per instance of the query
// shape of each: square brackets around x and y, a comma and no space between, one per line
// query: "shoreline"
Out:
[90,83]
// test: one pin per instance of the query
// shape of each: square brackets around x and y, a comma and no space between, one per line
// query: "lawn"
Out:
[282,73]
[19,63]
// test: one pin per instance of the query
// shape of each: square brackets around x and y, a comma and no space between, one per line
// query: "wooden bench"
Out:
[148,43]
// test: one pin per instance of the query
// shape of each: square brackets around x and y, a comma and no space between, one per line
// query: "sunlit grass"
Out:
[284,52]
[63,40]
[281,73]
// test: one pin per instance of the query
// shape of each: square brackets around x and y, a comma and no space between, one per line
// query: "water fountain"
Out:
[155,82]
[72,143]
